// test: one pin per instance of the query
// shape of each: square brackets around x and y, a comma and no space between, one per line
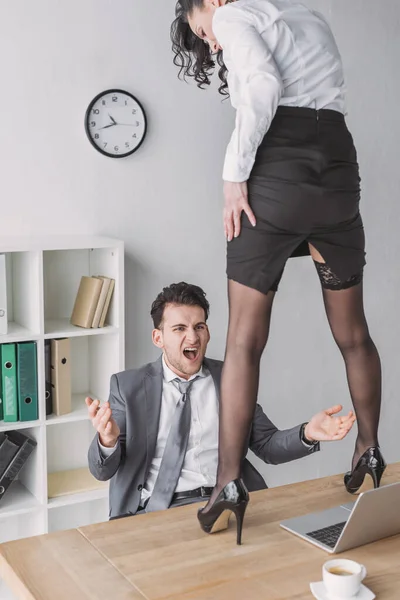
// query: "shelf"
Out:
[18,333]
[43,275]
[78,498]
[17,500]
[56,242]
[79,411]
[73,487]
[59,328]
[23,294]
[92,509]
[18,425]
[62,274]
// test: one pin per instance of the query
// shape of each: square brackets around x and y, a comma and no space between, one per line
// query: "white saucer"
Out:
[319,591]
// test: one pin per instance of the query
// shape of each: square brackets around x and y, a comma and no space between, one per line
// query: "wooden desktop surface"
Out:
[165,555]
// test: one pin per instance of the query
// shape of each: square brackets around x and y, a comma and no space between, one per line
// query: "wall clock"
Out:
[115,123]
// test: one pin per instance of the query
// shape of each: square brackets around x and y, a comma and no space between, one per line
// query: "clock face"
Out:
[115,123]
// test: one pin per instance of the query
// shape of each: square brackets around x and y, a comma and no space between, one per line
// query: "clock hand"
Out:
[109,125]
[112,119]
[128,124]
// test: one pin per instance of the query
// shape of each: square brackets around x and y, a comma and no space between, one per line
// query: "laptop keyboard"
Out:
[328,535]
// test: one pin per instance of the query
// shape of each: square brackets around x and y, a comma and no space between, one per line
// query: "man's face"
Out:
[183,336]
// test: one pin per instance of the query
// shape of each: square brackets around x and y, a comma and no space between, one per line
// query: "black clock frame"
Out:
[87,119]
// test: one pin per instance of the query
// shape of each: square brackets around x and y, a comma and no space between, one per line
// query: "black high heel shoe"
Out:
[370,463]
[233,498]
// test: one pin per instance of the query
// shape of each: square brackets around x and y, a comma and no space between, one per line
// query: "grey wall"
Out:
[165,201]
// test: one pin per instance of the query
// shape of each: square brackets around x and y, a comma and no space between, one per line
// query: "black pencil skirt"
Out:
[304,188]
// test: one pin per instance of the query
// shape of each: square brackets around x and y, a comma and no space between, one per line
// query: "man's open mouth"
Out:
[191,353]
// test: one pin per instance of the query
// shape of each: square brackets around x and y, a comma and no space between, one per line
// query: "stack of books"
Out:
[92,301]
[18,382]
[15,449]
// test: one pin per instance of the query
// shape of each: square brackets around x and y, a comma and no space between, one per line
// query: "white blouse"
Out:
[278,53]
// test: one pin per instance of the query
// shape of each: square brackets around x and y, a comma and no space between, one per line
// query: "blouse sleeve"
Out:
[249,59]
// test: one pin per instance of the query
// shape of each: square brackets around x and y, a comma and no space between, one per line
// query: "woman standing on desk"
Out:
[291,187]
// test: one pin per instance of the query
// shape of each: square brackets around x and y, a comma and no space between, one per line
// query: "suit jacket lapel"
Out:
[215,368]
[153,394]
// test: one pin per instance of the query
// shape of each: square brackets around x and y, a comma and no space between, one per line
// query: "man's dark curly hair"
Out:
[178,293]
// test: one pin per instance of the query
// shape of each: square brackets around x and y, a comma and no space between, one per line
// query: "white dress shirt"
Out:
[201,460]
[277,52]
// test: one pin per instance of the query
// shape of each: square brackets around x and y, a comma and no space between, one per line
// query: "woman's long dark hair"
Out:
[193,56]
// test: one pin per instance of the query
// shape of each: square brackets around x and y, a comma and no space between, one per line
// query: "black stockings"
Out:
[249,321]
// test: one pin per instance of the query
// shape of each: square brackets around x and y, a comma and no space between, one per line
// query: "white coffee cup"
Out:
[342,577]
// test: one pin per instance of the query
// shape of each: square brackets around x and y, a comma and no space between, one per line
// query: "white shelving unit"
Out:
[43,276]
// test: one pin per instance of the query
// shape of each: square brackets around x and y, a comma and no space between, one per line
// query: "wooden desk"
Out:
[165,556]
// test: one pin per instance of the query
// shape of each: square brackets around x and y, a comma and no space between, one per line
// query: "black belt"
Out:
[201,492]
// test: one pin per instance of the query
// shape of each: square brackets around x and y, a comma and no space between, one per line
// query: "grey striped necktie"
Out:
[174,451]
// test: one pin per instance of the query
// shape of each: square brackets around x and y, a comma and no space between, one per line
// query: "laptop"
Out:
[373,516]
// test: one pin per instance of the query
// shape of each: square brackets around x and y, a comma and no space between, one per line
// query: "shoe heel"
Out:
[239,514]
[376,475]
[370,463]
[233,498]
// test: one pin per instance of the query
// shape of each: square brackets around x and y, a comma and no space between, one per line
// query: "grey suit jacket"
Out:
[135,400]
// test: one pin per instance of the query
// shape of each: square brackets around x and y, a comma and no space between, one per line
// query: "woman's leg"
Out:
[345,312]
[249,321]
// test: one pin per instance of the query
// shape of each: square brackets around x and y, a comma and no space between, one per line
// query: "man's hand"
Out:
[324,427]
[235,202]
[103,422]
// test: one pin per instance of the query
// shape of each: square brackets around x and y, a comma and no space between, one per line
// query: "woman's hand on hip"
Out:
[236,201]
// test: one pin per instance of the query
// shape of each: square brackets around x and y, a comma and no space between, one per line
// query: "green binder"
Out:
[27,381]
[9,383]
[1,395]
